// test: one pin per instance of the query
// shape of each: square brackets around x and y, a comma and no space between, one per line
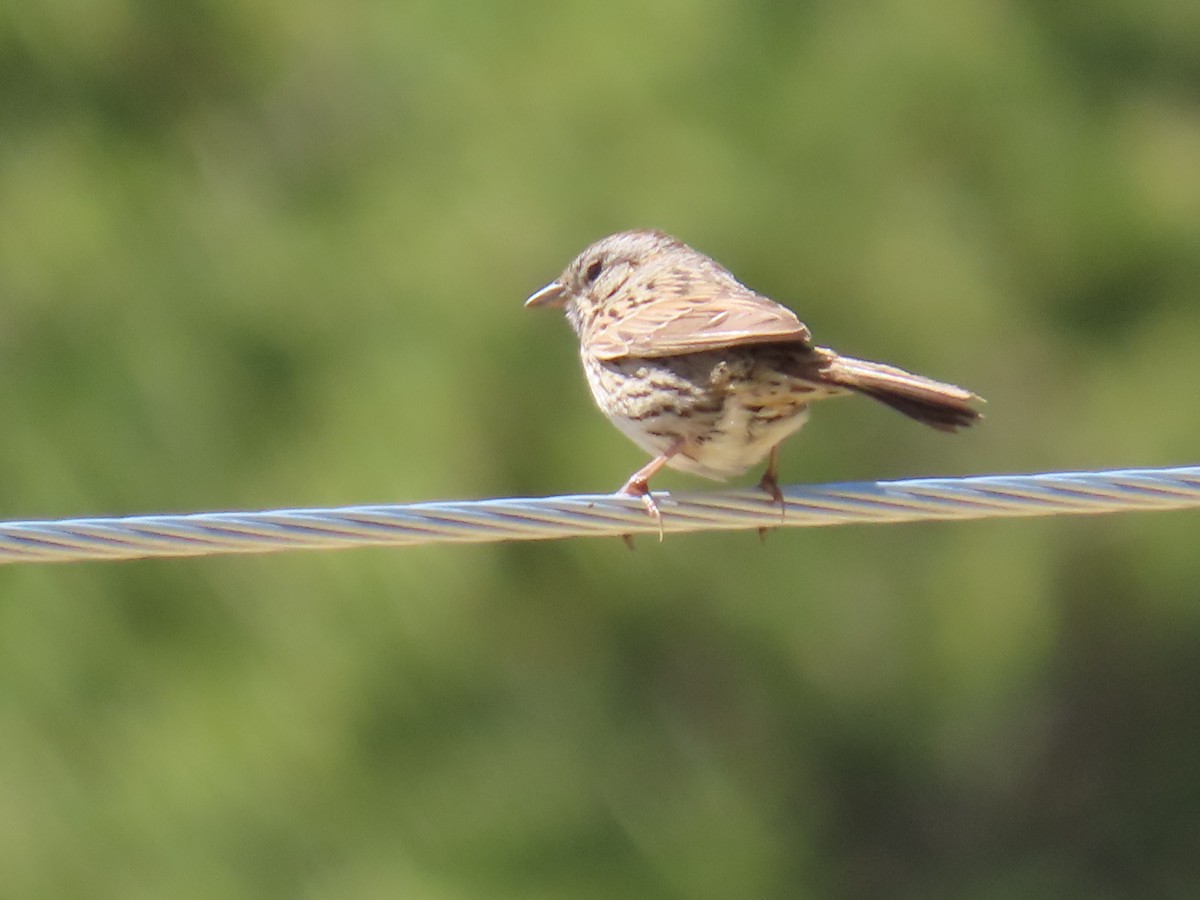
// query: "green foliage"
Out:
[273,254]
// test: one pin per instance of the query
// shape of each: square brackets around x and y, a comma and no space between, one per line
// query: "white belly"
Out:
[739,442]
[727,423]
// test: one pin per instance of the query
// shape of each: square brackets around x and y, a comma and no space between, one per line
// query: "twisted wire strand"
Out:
[584,515]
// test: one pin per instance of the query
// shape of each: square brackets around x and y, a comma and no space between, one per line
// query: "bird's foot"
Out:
[637,487]
[770,484]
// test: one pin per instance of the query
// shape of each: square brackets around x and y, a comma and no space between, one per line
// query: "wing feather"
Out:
[702,317]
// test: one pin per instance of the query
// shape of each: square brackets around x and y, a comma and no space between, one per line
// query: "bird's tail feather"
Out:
[933,403]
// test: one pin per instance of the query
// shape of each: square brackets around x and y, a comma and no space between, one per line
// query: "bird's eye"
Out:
[593,271]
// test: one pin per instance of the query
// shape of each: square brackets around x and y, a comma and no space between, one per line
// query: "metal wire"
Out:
[979,497]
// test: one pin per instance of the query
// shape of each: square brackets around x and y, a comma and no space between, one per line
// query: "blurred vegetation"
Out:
[263,254]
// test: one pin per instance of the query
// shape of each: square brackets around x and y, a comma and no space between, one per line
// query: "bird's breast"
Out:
[727,416]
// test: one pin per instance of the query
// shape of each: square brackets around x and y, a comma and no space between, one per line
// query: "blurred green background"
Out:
[273,254]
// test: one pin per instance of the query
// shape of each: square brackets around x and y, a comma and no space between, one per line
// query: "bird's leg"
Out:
[770,484]
[770,479]
[638,486]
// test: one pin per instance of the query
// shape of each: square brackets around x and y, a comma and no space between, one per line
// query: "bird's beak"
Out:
[551,295]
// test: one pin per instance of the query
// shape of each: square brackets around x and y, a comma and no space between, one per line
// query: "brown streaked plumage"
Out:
[703,373]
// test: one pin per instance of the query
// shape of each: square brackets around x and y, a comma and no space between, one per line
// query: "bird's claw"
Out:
[770,484]
[640,490]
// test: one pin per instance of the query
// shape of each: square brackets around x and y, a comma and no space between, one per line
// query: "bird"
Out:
[703,373]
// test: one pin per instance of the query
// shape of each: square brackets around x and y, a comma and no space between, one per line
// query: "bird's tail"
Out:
[933,403]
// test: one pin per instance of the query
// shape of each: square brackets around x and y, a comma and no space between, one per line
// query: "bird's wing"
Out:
[704,317]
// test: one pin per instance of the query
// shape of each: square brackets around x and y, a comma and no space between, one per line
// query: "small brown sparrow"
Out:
[703,373]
